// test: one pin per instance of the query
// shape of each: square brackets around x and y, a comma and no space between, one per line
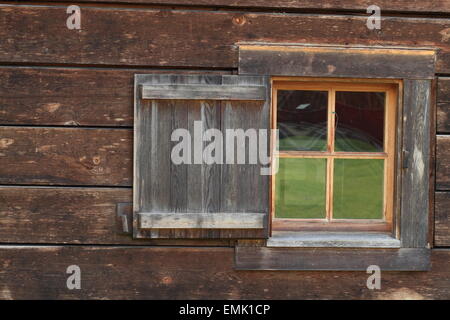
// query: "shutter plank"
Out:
[211,173]
[178,173]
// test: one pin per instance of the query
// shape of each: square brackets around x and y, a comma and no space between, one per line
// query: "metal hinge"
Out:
[405,159]
[124,217]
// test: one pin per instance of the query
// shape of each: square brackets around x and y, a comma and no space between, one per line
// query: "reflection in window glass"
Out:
[302,120]
[359,121]
[358,189]
[300,188]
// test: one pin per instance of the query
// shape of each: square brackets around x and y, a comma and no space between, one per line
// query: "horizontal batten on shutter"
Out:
[203,92]
[218,220]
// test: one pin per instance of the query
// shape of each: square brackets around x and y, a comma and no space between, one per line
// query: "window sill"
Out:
[332,240]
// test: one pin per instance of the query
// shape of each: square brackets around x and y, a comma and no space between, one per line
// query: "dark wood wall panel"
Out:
[442,199]
[181,38]
[70,96]
[443,162]
[61,215]
[401,6]
[57,96]
[195,273]
[66,156]
[69,216]
[124,36]
[442,219]
[443,106]
[443,89]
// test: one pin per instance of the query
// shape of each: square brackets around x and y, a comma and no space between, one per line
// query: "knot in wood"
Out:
[239,21]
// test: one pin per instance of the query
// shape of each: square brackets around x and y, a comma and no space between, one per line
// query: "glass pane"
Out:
[358,189]
[302,120]
[359,121]
[300,188]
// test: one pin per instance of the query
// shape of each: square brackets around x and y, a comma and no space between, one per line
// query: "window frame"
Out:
[415,67]
[390,152]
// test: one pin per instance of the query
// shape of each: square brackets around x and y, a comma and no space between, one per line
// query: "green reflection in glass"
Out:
[358,189]
[300,189]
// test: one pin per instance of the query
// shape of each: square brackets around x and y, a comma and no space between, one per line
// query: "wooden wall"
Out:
[66,114]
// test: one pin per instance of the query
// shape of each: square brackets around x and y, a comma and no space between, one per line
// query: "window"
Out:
[352,189]
[336,155]
[355,129]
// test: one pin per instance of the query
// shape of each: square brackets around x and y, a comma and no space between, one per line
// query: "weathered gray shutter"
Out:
[197,200]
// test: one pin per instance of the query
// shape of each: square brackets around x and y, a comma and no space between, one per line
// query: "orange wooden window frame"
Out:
[391,88]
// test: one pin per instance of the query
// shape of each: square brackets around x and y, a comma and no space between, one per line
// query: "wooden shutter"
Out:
[197,200]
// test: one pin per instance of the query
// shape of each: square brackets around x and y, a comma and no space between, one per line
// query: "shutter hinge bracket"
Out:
[405,159]
[124,217]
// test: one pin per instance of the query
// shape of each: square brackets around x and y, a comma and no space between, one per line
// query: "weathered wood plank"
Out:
[215,220]
[69,216]
[416,171]
[329,61]
[202,273]
[203,92]
[443,89]
[443,162]
[442,219]
[69,96]
[443,106]
[245,189]
[331,259]
[128,39]
[443,117]
[66,156]
[318,239]
[402,6]
[57,96]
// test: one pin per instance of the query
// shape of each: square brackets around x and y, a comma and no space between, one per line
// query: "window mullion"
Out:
[330,159]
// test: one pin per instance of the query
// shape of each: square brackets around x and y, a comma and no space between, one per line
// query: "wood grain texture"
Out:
[66,156]
[57,96]
[69,96]
[401,6]
[197,273]
[328,61]
[416,168]
[331,259]
[443,105]
[203,92]
[69,216]
[38,35]
[443,117]
[443,162]
[197,220]
[442,219]
[443,89]
[327,239]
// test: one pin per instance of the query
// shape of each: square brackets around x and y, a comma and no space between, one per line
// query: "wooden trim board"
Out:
[336,61]
[331,259]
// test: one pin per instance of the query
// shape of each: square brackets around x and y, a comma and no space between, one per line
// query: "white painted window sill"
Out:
[332,240]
